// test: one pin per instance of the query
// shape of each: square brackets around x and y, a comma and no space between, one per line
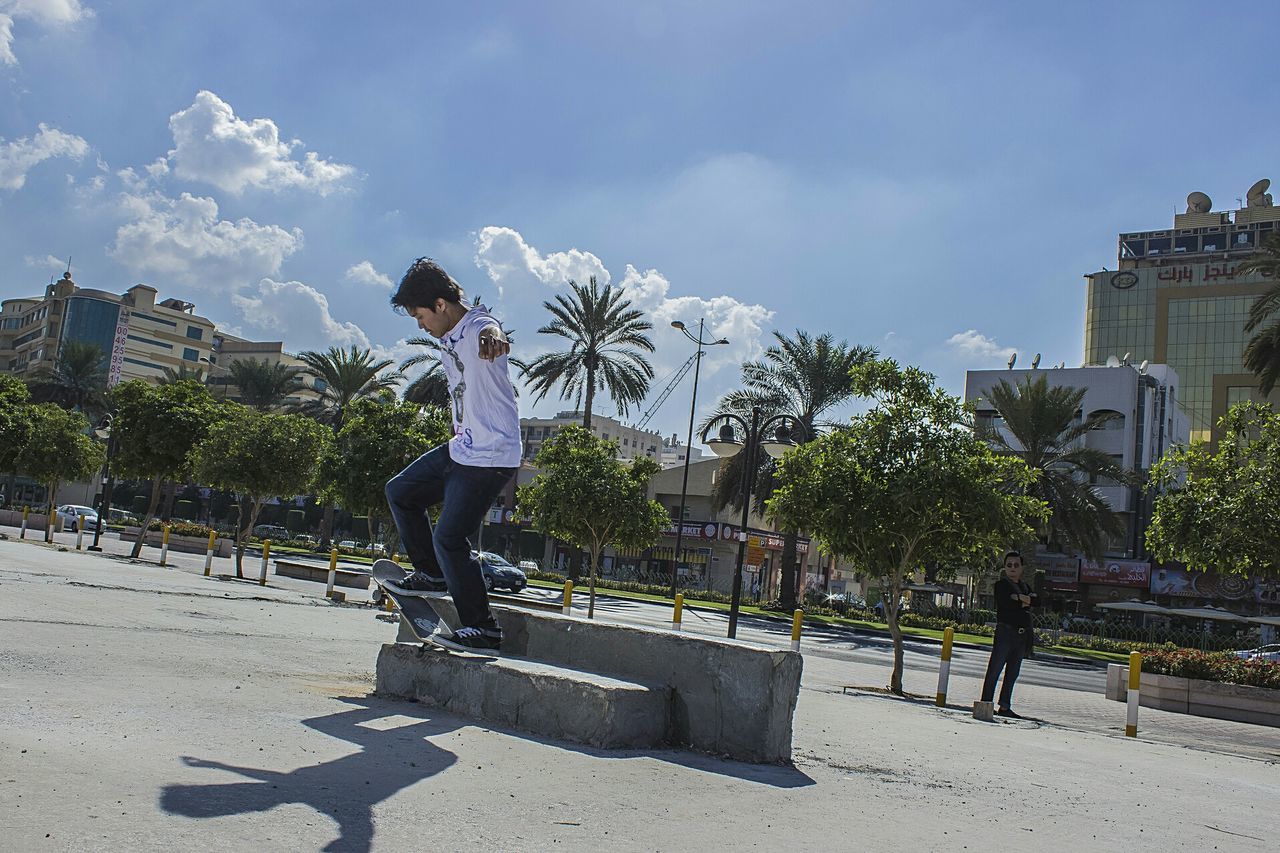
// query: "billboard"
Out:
[1060,572]
[1183,583]
[1116,573]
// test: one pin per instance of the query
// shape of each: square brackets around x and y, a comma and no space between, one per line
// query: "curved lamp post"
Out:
[725,445]
[103,430]
[684,485]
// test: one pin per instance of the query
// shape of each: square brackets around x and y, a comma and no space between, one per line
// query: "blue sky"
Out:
[929,178]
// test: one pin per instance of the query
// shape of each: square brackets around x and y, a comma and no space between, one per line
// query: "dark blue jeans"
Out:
[443,550]
[1007,652]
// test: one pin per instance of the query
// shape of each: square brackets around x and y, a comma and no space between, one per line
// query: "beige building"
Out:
[1178,298]
[228,349]
[139,336]
[632,442]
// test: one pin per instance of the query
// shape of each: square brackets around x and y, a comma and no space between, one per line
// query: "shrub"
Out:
[182,528]
[1212,666]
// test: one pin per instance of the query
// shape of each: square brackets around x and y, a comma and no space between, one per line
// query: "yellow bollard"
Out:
[333,572]
[1135,684]
[796,619]
[567,607]
[266,554]
[675,616]
[26,513]
[208,557]
[394,556]
[164,547]
[944,669]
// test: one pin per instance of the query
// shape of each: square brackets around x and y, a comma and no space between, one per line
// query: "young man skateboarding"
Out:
[466,473]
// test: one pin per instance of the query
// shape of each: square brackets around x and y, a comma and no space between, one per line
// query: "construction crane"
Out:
[666,392]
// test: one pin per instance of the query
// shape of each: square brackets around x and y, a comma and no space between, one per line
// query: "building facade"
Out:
[138,336]
[632,443]
[1178,297]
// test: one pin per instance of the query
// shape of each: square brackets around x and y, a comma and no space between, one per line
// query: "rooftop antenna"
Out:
[1012,359]
[68,265]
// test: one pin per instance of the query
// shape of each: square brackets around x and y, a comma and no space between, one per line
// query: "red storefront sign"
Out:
[1116,573]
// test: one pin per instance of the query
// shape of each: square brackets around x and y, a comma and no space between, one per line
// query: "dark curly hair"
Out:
[423,283]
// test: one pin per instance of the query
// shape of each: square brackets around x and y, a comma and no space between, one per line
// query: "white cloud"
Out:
[185,240]
[48,262]
[364,273]
[214,146]
[510,261]
[296,313]
[19,157]
[974,344]
[46,13]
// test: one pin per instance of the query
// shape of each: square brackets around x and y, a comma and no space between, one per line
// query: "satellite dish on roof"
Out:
[1258,195]
[1012,358]
[1035,362]
[1112,361]
[1198,202]
[1126,358]
[1142,368]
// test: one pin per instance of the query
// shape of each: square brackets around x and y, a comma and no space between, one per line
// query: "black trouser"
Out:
[1007,652]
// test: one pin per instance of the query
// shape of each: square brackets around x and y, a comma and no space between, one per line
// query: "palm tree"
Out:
[606,336]
[431,388]
[1043,426]
[263,385]
[343,376]
[182,374]
[804,377]
[77,380]
[1262,353]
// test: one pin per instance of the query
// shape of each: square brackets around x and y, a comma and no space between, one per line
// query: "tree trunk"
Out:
[891,596]
[242,531]
[590,398]
[787,595]
[166,506]
[591,601]
[156,487]
[51,488]
[326,525]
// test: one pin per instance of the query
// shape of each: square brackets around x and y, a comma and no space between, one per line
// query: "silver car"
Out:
[74,517]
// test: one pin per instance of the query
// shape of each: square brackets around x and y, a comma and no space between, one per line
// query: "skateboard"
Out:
[417,612]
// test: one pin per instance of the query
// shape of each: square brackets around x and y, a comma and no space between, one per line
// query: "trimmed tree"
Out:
[58,450]
[905,486]
[261,456]
[155,429]
[1218,511]
[376,442]
[15,420]
[590,499]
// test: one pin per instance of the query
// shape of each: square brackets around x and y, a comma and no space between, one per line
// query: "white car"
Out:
[75,517]
[347,543]
[1269,652]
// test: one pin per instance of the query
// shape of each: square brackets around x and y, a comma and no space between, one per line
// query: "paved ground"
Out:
[148,708]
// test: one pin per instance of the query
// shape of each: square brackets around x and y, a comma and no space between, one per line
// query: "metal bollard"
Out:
[164,547]
[675,616]
[266,554]
[944,668]
[208,556]
[567,607]
[80,536]
[26,513]
[333,572]
[796,619]
[1135,685]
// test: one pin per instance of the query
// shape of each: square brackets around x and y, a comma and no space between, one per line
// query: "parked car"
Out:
[499,574]
[122,516]
[75,517]
[1269,652]
[347,543]
[527,566]
[271,531]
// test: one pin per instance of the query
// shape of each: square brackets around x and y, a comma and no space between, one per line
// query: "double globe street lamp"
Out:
[758,437]
[693,404]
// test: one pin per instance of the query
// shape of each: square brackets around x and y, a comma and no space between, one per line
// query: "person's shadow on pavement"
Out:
[345,789]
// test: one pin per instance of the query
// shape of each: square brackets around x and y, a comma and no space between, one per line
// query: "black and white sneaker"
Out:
[421,585]
[476,640]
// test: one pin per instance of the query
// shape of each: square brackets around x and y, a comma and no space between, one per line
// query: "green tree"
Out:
[154,429]
[15,420]
[1042,426]
[262,456]
[905,486]
[432,387]
[805,377]
[606,336]
[375,443]
[1262,352]
[57,450]
[77,380]
[264,386]
[182,374]
[590,499]
[1218,511]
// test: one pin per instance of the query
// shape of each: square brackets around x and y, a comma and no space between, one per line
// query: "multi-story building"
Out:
[228,349]
[674,453]
[139,336]
[1149,419]
[632,443]
[1178,297]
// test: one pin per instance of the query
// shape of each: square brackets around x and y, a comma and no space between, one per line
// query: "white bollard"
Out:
[266,553]
[944,667]
[26,511]
[333,573]
[80,536]
[208,557]
[1135,682]
[164,546]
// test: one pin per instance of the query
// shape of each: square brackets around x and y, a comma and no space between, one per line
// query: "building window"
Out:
[195,333]
[189,354]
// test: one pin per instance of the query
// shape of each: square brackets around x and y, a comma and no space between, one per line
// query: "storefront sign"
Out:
[761,538]
[1116,573]
[1183,583]
[695,530]
[1060,573]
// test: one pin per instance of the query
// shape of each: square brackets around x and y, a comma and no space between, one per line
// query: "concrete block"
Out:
[728,698]
[535,697]
[984,712]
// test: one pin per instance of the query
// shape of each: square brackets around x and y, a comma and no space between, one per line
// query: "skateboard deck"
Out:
[418,613]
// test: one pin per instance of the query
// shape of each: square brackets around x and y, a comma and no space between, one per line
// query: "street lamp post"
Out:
[214,366]
[693,404]
[726,445]
[108,482]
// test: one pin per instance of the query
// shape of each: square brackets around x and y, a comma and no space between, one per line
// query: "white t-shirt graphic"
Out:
[486,417]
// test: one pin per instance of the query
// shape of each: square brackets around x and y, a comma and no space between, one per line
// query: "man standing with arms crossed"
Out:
[1013,640]
[466,473]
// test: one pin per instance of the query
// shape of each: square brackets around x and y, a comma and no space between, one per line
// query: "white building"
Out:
[632,442]
[673,453]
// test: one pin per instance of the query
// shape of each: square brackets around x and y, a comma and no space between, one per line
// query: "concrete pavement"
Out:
[145,708]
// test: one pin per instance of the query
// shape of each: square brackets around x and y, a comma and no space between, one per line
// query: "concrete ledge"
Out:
[351,578]
[1219,700]
[534,697]
[179,544]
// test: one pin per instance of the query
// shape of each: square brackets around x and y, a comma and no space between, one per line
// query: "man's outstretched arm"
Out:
[493,343]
